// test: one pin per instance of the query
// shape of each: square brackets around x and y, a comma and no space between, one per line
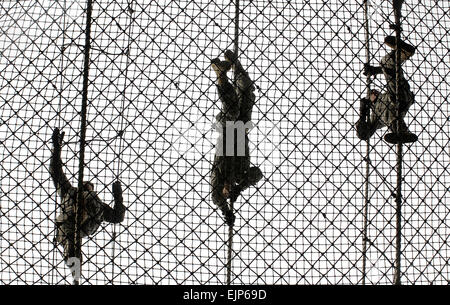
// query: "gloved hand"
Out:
[117,191]
[364,107]
[229,217]
[362,130]
[369,70]
[117,188]
[57,139]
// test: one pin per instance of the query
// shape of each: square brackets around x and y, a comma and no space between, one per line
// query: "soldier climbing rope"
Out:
[387,109]
[83,204]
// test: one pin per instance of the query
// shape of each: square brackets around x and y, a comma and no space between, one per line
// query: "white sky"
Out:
[303,224]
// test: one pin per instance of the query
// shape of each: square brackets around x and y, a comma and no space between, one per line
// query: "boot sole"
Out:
[400,138]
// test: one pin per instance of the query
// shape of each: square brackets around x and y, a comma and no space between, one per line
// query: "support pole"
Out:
[398,196]
[230,228]
[83,118]
[367,158]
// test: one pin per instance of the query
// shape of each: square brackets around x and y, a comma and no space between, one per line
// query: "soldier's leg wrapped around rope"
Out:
[222,175]
[246,176]
[397,110]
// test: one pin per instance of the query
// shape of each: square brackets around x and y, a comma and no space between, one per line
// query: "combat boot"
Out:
[400,134]
[406,48]
[221,68]
[229,217]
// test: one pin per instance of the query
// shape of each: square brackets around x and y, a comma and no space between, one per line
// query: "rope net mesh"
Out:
[150,78]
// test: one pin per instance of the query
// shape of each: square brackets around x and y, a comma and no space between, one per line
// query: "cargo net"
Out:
[152,102]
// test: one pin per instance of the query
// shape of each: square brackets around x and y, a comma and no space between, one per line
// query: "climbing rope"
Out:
[399,149]
[230,228]
[122,107]
[59,110]
[398,196]
[83,141]
[367,157]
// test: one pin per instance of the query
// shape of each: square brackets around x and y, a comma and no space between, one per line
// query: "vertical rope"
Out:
[230,228]
[61,66]
[236,30]
[122,107]
[398,212]
[398,196]
[83,118]
[367,157]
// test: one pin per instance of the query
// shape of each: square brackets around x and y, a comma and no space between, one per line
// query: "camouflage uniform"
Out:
[223,166]
[94,211]
[385,109]
[245,176]
[237,104]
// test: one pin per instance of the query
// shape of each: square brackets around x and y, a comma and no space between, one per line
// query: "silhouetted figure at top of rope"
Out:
[94,211]
[381,109]
[231,170]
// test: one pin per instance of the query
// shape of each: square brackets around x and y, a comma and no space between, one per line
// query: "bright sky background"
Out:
[304,223]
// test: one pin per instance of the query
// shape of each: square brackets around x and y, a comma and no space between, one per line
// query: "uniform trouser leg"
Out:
[246,176]
[245,93]
[218,181]
[220,176]
[66,237]
[69,249]
[405,96]
[230,103]
[241,162]
[217,185]
[69,253]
